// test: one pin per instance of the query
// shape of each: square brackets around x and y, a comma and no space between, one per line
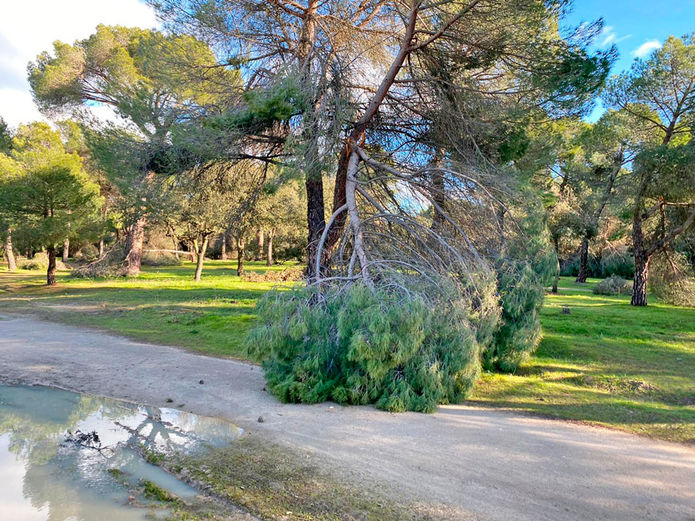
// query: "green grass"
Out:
[605,363]
[163,305]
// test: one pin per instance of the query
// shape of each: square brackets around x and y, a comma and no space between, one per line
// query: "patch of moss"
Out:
[153,491]
[152,456]
[276,482]
[116,473]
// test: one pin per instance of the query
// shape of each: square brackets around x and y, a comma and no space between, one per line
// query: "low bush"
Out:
[159,258]
[292,273]
[359,345]
[617,261]
[39,262]
[672,279]
[87,253]
[613,285]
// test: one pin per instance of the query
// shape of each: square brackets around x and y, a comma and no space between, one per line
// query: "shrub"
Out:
[617,261]
[88,253]
[110,265]
[359,345]
[521,294]
[292,273]
[39,262]
[672,279]
[613,285]
[158,258]
[570,267]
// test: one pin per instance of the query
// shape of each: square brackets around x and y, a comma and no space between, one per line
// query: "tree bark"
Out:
[240,248]
[134,240]
[556,280]
[269,260]
[357,135]
[583,260]
[260,240]
[639,289]
[200,258]
[9,253]
[51,271]
[66,250]
[223,254]
[101,248]
[316,220]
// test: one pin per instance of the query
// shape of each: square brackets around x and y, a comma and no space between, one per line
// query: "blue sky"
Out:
[636,27]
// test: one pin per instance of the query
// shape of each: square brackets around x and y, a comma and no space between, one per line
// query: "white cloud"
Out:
[647,47]
[30,27]
[610,36]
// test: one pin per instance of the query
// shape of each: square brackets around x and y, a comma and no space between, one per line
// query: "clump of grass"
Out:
[152,456]
[153,491]
[613,285]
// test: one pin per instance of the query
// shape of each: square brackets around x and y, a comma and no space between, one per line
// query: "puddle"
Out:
[45,475]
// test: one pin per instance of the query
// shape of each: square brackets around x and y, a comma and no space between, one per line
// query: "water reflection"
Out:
[43,477]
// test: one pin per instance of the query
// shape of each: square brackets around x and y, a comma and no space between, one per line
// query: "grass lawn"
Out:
[605,363]
[163,305]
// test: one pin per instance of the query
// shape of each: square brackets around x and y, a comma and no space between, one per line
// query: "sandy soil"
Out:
[472,463]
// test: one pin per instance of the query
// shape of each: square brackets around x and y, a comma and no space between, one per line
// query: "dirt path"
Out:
[479,463]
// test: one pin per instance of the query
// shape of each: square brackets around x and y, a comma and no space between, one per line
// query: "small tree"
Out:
[202,202]
[45,190]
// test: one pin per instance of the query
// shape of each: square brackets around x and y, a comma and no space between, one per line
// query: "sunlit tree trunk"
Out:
[241,250]
[223,254]
[260,240]
[66,250]
[9,252]
[51,271]
[200,257]
[269,261]
[134,240]
[101,248]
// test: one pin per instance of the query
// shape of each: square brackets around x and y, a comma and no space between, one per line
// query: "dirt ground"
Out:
[471,463]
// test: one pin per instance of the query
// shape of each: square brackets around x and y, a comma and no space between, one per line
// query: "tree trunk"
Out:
[556,280]
[316,220]
[51,272]
[101,248]
[240,248]
[200,258]
[9,253]
[583,260]
[269,261]
[260,240]
[66,250]
[357,135]
[135,239]
[223,254]
[639,289]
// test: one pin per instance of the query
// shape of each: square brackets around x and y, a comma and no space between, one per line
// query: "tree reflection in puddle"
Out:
[46,477]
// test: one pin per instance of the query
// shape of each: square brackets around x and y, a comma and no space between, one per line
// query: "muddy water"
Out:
[53,469]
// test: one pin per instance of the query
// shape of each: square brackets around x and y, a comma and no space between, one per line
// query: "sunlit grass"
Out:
[162,305]
[606,362]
